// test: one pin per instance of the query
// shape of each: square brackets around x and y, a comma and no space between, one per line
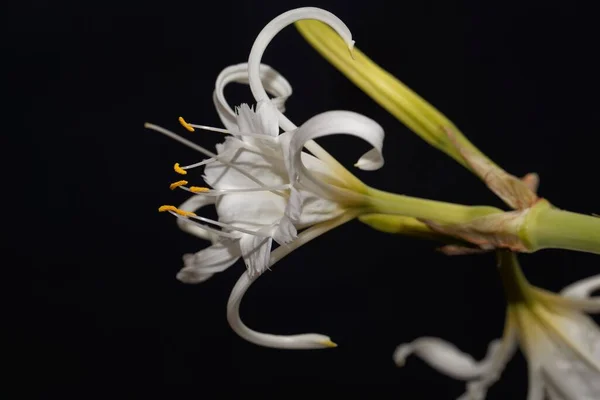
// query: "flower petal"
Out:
[535,390]
[571,360]
[582,290]
[331,123]
[447,358]
[252,210]
[193,204]
[273,28]
[202,265]
[499,354]
[302,341]
[256,251]
[286,232]
[272,80]
[266,166]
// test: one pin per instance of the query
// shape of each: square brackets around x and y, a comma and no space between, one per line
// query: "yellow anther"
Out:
[179,170]
[186,125]
[176,210]
[174,185]
[197,189]
[185,213]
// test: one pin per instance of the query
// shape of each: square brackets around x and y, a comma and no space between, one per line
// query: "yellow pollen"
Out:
[176,210]
[186,125]
[179,170]
[196,189]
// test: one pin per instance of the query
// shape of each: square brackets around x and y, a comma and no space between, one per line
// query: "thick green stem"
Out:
[548,227]
[448,213]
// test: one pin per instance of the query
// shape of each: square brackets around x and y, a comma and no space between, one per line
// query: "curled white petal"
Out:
[302,341]
[331,123]
[275,26]
[273,82]
[205,263]
[193,204]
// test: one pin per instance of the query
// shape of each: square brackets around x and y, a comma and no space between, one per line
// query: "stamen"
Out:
[173,209]
[221,130]
[199,164]
[190,217]
[219,192]
[202,150]
[231,227]
[186,125]
[205,227]
[175,185]
[197,189]
[179,170]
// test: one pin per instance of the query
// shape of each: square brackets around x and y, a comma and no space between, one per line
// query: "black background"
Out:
[102,306]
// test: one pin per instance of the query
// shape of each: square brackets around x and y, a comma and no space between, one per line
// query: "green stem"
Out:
[394,204]
[548,227]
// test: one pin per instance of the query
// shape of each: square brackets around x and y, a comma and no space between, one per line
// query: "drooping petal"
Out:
[270,30]
[331,123]
[302,341]
[447,358]
[193,204]
[205,263]
[272,80]
[498,356]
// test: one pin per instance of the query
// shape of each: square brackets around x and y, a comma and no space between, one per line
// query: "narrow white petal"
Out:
[268,33]
[193,204]
[446,358]
[302,341]
[272,80]
[571,362]
[202,265]
[331,123]
[535,390]
[496,359]
[583,290]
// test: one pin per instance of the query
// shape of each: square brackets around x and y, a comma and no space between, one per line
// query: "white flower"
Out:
[560,342]
[264,186]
